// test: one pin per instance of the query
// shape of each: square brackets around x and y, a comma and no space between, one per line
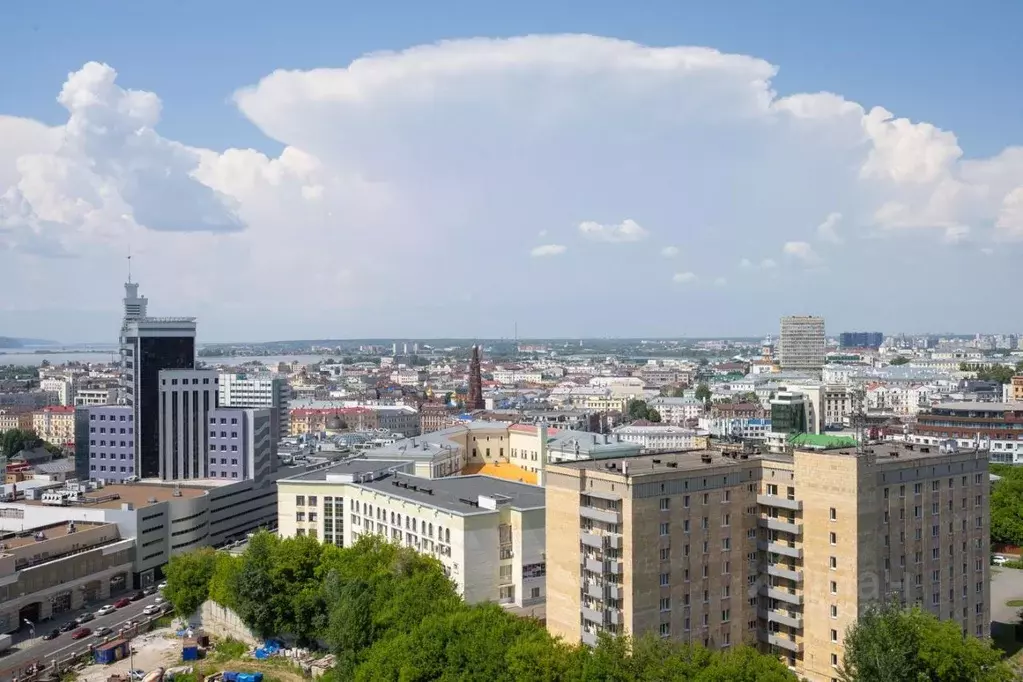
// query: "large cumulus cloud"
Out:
[442,162]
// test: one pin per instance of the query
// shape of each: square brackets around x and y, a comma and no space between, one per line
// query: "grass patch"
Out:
[1014,602]
[227,649]
[163,622]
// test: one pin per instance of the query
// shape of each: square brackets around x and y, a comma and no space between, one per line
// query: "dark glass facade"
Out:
[82,443]
[788,418]
[155,354]
[861,339]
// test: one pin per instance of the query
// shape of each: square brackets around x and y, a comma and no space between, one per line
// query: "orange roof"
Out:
[509,472]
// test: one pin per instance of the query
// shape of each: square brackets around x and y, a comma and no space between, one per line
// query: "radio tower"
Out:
[474,401]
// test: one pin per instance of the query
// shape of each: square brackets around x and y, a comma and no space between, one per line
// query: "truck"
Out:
[6,641]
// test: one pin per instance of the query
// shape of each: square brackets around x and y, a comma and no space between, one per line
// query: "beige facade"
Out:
[55,425]
[14,418]
[787,551]
[56,568]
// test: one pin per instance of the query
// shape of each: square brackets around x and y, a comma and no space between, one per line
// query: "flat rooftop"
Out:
[138,494]
[967,406]
[15,540]
[357,465]
[647,465]
[459,494]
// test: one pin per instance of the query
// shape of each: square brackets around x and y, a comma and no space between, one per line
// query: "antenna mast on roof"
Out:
[129,263]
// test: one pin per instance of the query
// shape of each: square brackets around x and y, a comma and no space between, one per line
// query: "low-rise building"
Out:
[15,418]
[677,411]
[55,425]
[663,437]
[53,568]
[487,532]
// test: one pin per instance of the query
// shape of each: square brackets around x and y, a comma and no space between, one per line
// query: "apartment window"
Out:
[685,501]
[726,496]
[834,660]
[300,500]
[312,500]
[685,526]
[685,550]
[664,529]
[917,488]
[706,498]
[705,523]
[665,629]
[665,604]
[665,577]
[834,538]
[726,544]
[833,514]
[834,635]
[705,575]
[834,611]
[833,561]
[726,615]
[665,503]
[834,587]
[726,520]
[665,554]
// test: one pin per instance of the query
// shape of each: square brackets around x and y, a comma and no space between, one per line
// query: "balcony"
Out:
[602,515]
[594,590]
[780,548]
[593,615]
[601,541]
[593,565]
[615,617]
[782,571]
[589,638]
[793,619]
[780,502]
[780,594]
[781,641]
[781,525]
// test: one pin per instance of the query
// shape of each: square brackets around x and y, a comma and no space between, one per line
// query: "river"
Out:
[61,356]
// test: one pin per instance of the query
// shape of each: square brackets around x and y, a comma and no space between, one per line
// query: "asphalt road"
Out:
[27,651]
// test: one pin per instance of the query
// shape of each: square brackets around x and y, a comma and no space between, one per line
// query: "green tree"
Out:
[14,441]
[188,580]
[899,360]
[653,415]
[255,598]
[350,622]
[703,393]
[892,644]
[637,409]
[1007,505]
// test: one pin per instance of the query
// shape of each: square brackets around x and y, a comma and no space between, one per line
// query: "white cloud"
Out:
[720,282]
[386,169]
[745,263]
[548,250]
[802,251]
[625,231]
[669,251]
[542,233]
[827,231]
[684,277]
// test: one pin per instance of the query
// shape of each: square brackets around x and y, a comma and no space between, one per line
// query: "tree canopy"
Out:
[1001,374]
[890,643]
[389,613]
[1007,505]
[899,360]
[703,393]
[14,441]
[638,409]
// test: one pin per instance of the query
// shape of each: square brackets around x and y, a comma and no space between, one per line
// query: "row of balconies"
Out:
[603,566]
[602,591]
[601,540]
[780,502]
[602,515]
[604,616]
[781,641]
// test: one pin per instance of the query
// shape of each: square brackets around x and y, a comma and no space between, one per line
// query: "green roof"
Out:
[820,441]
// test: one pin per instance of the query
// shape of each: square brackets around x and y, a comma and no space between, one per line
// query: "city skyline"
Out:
[441,180]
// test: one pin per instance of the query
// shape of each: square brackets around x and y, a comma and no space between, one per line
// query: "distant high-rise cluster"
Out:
[801,345]
[860,340]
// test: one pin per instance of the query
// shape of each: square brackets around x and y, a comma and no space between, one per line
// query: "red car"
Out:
[81,633]
[121,603]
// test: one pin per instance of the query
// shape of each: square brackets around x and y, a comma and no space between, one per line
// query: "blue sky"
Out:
[953,65]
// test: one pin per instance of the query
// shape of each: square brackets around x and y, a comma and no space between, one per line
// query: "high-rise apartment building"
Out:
[186,399]
[240,441]
[259,391]
[105,443]
[148,346]
[801,345]
[721,548]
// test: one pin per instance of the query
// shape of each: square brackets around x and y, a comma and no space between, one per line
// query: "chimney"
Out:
[625,468]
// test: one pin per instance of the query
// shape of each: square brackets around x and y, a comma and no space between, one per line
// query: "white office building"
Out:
[488,533]
[801,346]
[262,390]
[187,397]
[63,387]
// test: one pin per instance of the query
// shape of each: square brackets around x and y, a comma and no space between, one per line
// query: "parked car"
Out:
[104,610]
[999,560]
[149,590]
[138,595]
[159,600]
[81,633]
[151,609]
[68,626]
[122,602]
[162,586]
[52,634]
[102,631]
[84,618]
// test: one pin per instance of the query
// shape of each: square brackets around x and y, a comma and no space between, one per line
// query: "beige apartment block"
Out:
[726,547]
